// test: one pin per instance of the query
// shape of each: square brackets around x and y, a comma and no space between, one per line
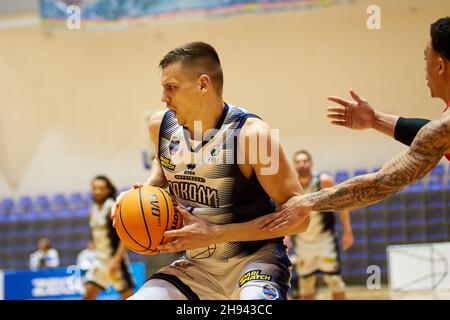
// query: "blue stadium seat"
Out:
[82,212]
[447,194]
[59,201]
[84,229]
[438,171]
[76,197]
[357,253]
[358,225]
[381,256]
[396,237]
[81,244]
[359,238]
[30,216]
[395,218]
[377,236]
[62,230]
[395,202]
[67,260]
[64,213]
[42,202]
[341,176]
[29,247]
[440,236]
[362,271]
[395,205]
[436,185]
[45,215]
[6,205]
[77,201]
[418,186]
[376,207]
[416,236]
[4,217]
[25,203]
[377,224]
[415,217]
[375,220]
[415,196]
[360,172]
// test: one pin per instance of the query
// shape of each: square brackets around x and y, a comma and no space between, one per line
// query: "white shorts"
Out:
[99,276]
[318,256]
[263,275]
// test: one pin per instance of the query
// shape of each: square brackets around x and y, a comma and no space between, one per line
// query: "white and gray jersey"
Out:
[322,224]
[106,240]
[208,181]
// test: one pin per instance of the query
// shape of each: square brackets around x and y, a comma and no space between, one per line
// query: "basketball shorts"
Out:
[263,275]
[99,275]
[321,255]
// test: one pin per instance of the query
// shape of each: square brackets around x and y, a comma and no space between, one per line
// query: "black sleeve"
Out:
[407,129]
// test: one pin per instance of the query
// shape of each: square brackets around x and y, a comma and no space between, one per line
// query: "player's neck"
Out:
[446,95]
[305,180]
[100,203]
[207,118]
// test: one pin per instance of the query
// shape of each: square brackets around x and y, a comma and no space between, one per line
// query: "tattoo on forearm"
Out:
[427,149]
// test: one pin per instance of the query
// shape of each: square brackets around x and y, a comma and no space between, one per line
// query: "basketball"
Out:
[144,214]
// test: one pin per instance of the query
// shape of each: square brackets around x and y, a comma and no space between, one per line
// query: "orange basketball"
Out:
[144,214]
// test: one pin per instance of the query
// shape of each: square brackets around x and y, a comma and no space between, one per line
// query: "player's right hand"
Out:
[119,199]
[357,114]
[293,216]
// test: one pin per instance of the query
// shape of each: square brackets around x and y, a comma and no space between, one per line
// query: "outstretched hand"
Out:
[293,215]
[357,114]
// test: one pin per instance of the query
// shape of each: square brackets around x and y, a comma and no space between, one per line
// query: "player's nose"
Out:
[165,98]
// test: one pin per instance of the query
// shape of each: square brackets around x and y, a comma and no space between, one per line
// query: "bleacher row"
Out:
[419,213]
[63,219]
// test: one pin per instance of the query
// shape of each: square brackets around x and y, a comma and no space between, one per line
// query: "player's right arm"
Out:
[156,177]
[403,169]
[360,115]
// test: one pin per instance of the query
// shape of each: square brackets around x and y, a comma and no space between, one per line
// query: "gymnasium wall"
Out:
[74,103]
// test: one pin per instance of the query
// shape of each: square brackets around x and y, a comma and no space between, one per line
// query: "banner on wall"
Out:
[122,13]
[56,284]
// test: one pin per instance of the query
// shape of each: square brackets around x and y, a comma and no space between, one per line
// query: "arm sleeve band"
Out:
[407,129]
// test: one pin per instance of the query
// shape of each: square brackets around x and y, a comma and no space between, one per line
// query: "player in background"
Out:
[112,264]
[318,248]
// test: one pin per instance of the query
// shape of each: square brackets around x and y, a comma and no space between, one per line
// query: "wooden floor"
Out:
[362,293]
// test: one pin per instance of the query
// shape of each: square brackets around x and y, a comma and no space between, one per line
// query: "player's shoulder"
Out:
[255,124]
[436,131]
[156,119]
[326,180]
[154,124]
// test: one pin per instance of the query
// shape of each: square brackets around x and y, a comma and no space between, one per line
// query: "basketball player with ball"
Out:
[225,170]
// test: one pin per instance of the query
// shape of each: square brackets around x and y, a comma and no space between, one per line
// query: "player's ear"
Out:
[442,66]
[204,83]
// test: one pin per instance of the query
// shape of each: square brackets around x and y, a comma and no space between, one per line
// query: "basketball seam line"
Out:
[145,221]
[124,228]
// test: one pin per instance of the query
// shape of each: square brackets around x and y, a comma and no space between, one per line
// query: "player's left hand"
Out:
[347,240]
[293,217]
[196,233]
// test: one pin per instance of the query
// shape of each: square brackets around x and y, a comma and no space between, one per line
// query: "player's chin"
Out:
[181,122]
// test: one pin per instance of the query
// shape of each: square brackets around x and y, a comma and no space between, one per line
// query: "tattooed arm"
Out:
[430,144]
